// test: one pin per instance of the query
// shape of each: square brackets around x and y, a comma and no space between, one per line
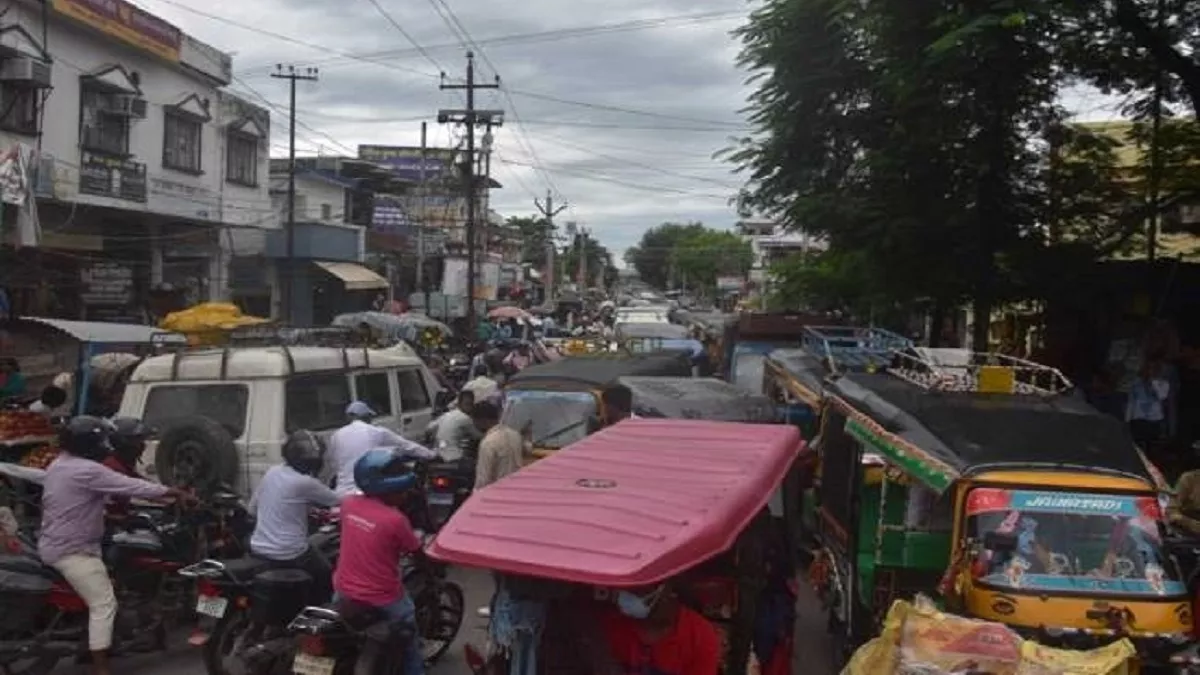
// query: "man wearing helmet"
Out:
[358,437]
[128,440]
[73,497]
[280,507]
[375,536]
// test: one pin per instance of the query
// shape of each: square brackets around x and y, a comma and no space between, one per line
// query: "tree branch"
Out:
[1130,18]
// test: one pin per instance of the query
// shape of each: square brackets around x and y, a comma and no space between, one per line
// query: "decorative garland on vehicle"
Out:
[806,395]
[925,467]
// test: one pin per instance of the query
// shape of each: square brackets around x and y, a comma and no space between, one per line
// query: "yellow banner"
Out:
[127,23]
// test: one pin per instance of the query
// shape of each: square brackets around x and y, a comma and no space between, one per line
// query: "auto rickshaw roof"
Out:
[631,505]
[960,433]
[599,370]
[705,398]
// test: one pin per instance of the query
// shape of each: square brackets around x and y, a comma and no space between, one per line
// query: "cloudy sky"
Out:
[621,103]
[616,106]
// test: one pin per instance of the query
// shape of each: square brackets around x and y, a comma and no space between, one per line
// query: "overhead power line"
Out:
[400,29]
[552,35]
[621,109]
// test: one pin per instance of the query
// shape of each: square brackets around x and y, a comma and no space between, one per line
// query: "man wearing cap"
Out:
[359,437]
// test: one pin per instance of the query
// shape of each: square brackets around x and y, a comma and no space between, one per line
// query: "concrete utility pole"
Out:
[292,75]
[472,118]
[548,213]
[422,278]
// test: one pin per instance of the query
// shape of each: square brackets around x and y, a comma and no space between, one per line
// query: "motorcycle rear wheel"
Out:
[222,640]
[440,614]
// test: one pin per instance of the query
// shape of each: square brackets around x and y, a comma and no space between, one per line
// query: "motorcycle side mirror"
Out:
[1000,542]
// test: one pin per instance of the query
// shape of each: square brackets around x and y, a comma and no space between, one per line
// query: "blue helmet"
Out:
[381,472]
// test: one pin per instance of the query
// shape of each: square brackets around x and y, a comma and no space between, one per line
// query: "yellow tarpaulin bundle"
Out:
[918,638]
[209,322]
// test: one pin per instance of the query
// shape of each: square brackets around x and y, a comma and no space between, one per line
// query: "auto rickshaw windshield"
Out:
[559,418]
[1070,542]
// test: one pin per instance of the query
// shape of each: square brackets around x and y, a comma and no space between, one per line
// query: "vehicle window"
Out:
[316,402]
[748,370]
[558,418]
[374,390]
[1071,540]
[413,394]
[224,403]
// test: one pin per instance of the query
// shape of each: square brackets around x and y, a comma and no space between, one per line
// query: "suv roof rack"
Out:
[963,370]
[346,339]
[843,348]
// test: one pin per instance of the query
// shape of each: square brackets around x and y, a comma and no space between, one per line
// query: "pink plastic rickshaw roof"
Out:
[631,505]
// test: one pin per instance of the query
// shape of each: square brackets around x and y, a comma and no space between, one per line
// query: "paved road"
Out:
[812,652]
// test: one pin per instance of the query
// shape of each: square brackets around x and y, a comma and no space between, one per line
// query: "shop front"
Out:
[326,272]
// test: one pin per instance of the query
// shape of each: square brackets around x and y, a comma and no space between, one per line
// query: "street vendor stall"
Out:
[73,347]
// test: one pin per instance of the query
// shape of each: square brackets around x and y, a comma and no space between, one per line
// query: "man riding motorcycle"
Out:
[281,505]
[360,436]
[128,440]
[73,497]
[375,536]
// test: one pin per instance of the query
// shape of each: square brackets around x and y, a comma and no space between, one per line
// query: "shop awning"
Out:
[354,276]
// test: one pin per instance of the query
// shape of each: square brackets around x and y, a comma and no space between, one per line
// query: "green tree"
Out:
[600,268]
[651,258]
[923,154]
[700,256]
[536,234]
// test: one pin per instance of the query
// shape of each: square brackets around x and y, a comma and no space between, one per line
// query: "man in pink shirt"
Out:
[375,536]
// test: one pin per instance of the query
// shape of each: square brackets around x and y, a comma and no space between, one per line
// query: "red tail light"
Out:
[441,482]
[312,644]
[206,587]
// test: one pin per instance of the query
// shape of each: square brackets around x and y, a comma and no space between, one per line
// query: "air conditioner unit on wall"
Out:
[30,71]
[128,105]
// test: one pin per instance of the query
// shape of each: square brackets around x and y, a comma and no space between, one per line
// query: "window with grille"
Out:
[19,105]
[241,152]
[181,141]
[102,128]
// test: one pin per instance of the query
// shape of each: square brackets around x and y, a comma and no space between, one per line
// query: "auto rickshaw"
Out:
[559,400]
[979,478]
[756,334]
[795,376]
[638,504]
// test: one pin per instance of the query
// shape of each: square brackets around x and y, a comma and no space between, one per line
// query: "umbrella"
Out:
[508,313]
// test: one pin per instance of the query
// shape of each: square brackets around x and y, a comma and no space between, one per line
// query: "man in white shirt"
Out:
[359,437]
[280,507]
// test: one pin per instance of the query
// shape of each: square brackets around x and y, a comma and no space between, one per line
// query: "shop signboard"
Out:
[406,161]
[122,20]
[727,284]
[454,278]
[112,177]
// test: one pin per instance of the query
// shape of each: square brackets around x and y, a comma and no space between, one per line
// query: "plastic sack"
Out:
[208,323]
[918,639]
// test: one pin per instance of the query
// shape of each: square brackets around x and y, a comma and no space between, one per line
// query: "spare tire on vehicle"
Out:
[196,452]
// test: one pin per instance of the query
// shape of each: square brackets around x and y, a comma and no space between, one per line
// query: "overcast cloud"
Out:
[621,172]
[670,66]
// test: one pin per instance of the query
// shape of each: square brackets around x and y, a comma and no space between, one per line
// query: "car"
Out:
[222,413]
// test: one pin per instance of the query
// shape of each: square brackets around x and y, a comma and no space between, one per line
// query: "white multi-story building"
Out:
[132,166]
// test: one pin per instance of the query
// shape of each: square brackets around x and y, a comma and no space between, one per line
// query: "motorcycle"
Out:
[346,637]
[349,637]
[45,620]
[245,604]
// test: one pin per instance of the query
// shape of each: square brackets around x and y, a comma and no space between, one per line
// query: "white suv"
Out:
[223,413]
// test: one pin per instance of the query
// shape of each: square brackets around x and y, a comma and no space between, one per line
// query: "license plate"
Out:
[441,499]
[307,664]
[210,606]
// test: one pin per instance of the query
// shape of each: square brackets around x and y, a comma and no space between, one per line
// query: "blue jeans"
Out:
[403,611]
